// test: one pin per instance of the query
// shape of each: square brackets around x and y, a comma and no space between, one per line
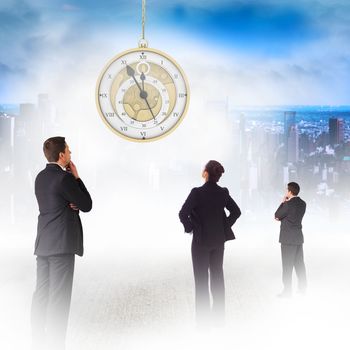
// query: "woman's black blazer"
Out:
[203,214]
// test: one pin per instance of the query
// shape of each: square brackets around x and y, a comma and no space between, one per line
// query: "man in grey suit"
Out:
[290,213]
[61,194]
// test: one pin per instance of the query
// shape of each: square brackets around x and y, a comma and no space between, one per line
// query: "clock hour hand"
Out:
[143,78]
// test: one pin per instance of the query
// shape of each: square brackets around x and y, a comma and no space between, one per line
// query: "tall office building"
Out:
[7,129]
[27,110]
[46,113]
[7,142]
[293,145]
[27,117]
[305,145]
[291,138]
[336,131]
[289,121]
[242,134]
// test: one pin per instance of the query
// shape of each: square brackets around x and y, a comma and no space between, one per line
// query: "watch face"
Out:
[142,94]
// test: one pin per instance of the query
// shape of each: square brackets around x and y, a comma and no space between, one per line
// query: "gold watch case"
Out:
[142,94]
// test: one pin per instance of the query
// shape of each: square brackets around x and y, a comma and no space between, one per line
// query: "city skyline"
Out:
[270,151]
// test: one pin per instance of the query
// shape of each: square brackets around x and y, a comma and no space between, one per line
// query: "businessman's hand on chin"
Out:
[72,169]
[285,199]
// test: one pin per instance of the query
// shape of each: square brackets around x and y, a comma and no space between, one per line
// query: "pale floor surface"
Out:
[127,297]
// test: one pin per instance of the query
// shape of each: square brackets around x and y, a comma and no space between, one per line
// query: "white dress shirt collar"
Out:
[63,168]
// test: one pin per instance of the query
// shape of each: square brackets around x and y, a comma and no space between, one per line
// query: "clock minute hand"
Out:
[131,73]
[143,93]
[149,107]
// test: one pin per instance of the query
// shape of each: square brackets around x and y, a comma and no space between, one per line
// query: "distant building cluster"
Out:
[21,131]
[269,149]
[271,153]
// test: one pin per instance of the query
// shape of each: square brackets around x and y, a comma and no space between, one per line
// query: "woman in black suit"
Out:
[203,214]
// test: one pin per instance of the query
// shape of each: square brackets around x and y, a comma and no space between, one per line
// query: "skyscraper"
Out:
[293,145]
[291,138]
[46,115]
[289,120]
[7,132]
[336,131]
[25,121]
[7,128]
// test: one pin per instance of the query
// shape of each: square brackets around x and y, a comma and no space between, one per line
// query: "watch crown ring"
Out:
[143,43]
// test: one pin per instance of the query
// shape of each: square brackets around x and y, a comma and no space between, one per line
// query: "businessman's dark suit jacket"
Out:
[203,213]
[59,227]
[290,214]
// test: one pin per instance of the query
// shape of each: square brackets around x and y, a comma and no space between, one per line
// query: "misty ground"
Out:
[135,293]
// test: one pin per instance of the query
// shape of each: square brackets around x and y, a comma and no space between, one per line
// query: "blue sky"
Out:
[272,28]
[258,30]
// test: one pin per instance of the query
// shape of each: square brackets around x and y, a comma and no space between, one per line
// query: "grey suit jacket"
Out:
[291,214]
[59,227]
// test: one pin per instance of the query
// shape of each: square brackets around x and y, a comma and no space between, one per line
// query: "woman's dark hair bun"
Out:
[215,170]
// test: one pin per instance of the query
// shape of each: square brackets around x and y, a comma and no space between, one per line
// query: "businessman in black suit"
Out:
[61,194]
[290,213]
[203,214]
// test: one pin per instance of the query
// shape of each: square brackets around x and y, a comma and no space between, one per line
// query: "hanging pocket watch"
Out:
[142,94]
